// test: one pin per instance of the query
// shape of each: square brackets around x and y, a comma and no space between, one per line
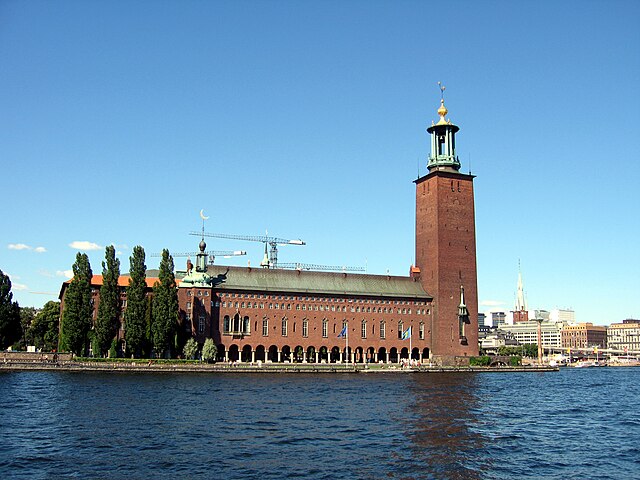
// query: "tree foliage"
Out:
[78,308]
[135,331]
[525,350]
[44,328]
[165,306]
[10,326]
[108,308]
[27,316]
[481,361]
[209,351]
[190,349]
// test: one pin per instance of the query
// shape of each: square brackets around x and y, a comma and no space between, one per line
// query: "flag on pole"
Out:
[406,334]
[343,333]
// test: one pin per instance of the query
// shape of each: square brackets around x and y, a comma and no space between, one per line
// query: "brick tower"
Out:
[446,246]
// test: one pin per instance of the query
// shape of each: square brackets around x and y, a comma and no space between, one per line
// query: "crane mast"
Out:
[273,242]
[314,266]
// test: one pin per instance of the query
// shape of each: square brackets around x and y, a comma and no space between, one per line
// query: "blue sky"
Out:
[120,120]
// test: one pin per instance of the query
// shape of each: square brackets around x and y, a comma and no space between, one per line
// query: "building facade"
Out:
[624,337]
[583,335]
[527,333]
[276,315]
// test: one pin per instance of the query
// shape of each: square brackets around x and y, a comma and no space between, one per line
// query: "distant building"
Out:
[543,314]
[481,319]
[624,336]
[498,319]
[562,315]
[584,335]
[527,333]
[492,342]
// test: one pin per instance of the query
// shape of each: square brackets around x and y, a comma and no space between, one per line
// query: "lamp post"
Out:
[539,320]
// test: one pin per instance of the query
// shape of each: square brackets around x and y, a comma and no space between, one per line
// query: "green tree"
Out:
[190,349]
[78,308]
[147,345]
[27,315]
[165,306]
[10,327]
[44,328]
[108,309]
[135,314]
[209,351]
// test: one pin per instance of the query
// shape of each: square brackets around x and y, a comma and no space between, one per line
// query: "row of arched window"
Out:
[238,325]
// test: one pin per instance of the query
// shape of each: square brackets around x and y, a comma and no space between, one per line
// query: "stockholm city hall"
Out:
[276,315]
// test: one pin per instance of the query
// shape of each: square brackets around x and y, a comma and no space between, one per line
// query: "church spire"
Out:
[521,303]
[443,143]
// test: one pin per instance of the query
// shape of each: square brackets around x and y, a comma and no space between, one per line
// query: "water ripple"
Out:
[571,424]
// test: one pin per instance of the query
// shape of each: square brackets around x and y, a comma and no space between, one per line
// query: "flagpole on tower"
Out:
[346,340]
[410,340]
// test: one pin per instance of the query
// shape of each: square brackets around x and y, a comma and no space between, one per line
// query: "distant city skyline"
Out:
[122,121]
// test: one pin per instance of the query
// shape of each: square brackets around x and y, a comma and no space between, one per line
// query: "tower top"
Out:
[443,146]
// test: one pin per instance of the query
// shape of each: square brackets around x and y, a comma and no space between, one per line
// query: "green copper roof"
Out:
[312,282]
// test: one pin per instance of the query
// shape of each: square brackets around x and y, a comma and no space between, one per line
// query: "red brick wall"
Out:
[192,303]
[295,318]
[446,256]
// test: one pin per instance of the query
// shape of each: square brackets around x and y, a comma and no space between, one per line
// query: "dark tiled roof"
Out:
[313,282]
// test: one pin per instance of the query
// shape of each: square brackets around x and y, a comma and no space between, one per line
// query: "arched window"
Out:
[265,327]
[305,328]
[325,328]
[400,329]
[284,326]
[363,329]
[246,327]
[421,330]
[226,327]
[383,330]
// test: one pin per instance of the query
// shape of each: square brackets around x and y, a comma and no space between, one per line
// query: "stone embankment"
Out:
[67,364]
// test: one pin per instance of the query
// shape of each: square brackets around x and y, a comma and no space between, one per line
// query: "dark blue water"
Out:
[581,423]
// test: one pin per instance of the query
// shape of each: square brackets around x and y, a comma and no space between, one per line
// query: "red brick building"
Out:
[583,335]
[276,315]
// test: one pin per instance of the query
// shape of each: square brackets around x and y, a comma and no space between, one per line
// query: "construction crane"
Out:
[212,254]
[313,266]
[273,242]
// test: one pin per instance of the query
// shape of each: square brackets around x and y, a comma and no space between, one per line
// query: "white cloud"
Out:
[46,273]
[18,286]
[18,246]
[65,273]
[84,245]
[491,303]
[40,250]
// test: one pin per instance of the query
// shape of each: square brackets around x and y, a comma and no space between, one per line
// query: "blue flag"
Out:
[343,333]
[406,334]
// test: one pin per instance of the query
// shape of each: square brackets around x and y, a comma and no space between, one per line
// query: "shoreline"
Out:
[136,367]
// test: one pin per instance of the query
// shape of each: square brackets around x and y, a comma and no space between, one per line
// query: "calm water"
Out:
[582,423]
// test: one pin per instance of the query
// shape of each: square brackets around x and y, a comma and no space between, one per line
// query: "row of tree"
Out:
[149,322]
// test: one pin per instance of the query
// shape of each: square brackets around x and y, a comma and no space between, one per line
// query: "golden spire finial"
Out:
[442,111]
